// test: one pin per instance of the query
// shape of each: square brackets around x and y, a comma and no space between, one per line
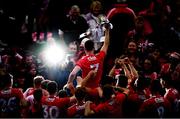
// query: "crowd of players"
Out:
[139,77]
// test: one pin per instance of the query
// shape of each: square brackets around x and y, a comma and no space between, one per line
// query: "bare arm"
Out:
[88,110]
[126,71]
[133,71]
[72,75]
[106,42]
[112,71]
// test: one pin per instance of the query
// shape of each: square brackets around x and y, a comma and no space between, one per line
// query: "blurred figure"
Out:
[132,53]
[35,110]
[77,110]
[91,62]
[52,102]
[122,18]
[74,25]
[156,106]
[171,94]
[148,70]
[138,94]
[11,99]
[37,85]
[141,34]
[112,104]
[94,19]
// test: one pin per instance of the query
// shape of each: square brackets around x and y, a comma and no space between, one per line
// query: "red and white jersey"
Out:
[92,62]
[133,103]
[76,110]
[10,103]
[111,108]
[156,106]
[152,76]
[173,96]
[54,107]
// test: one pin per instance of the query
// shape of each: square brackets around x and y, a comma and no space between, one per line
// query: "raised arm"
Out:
[106,41]
[72,75]
[112,71]
[133,71]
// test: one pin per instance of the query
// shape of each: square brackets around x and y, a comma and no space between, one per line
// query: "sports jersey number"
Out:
[160,111]
[50,111]
[94,66]
[8,105]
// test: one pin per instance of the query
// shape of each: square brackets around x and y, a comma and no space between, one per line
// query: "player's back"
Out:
[54,107]
[10,103]
[155,107]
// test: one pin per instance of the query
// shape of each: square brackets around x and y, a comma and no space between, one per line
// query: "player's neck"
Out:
[52,95]
[89,52]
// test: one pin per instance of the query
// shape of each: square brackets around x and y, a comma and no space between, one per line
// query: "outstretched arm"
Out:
[72,75]
[106,41]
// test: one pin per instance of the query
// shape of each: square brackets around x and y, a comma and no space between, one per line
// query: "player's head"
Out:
[52,87]
[156,86]
[166,80]
[62,94]
[108,91]
[44,84]
[89,45]
[37,81]
[141,83]
[122,80]
[37,94]
[80,93]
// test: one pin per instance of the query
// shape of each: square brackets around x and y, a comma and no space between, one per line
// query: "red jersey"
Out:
[173,96]
[111,108]
[92,62]
[54,107]
[156,106]
[133,103]
[152,76]
[10,103]
[76,111]
[120,9]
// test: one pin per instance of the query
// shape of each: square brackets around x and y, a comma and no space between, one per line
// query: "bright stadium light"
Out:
[54,54]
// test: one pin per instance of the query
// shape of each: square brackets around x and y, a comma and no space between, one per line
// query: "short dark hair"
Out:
[38,94]
[80,93]
[107,91]
[123,81]
[38,80]
[155,86]
[62,94]
[44,84]
[52,87]
[89,45]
